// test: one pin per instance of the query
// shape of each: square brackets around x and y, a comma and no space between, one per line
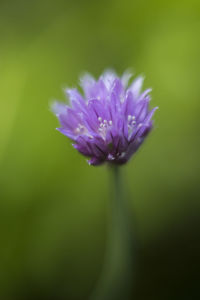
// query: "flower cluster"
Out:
[111,120]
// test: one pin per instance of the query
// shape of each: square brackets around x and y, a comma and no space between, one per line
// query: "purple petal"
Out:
[83,149]
[76,99]
[136,86]
[98,109]
[141,110]
[67,133]
[95,161]
[128,105]
[86,83]
[117,87]
[69,120]
[59,108]
[125,78]
[108,78]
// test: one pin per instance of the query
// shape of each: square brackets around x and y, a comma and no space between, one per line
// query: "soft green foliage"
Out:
[53,205]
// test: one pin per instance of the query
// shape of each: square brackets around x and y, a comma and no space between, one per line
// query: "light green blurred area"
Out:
[53,206]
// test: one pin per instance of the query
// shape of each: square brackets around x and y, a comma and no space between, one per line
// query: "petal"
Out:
[132,148]
[67,133]
[145,94]
[128,105]
[58,108]
[95,161]
[141,110]
[108,78]
[98,91]
[83,142]
[126,77]
[140,106]
[82,149]
[150,115]
[69,120]
[112,138]
[86,82]
[136,86]
[143,128]
[97,152]
[117,87]
[76,99]
[98,109]
[100,143]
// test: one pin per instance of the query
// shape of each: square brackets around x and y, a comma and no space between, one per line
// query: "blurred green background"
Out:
[53,206]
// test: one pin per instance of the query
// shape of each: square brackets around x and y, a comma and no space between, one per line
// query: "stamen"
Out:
[103,126]
[129,117]
[110,122]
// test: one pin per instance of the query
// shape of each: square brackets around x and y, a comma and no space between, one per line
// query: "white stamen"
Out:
[129,117]
[105,121]
[110,157]
[133,122]
[99,119]
[140,125]
[101,125]
[110,122]
[133,117]
[78,130]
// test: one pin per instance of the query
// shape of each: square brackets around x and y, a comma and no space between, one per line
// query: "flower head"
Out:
[111,120]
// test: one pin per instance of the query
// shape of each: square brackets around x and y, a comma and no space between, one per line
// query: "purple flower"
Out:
[111,120]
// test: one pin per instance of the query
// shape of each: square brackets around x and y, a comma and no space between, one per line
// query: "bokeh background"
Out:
[53,206]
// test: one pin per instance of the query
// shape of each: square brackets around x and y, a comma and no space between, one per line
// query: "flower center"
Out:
[80,129]
[103,126]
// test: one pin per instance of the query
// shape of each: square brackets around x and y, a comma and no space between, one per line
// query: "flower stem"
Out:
[117,278]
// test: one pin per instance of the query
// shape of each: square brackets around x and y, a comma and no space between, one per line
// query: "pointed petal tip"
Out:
[108,72]
[126,76]
[58,107]
[151,113]
[89,162]
[69,90]
[85,77]
[66,90]
[136,85]
[94,162]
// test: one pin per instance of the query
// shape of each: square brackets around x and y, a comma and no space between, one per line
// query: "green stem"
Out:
[117,279]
